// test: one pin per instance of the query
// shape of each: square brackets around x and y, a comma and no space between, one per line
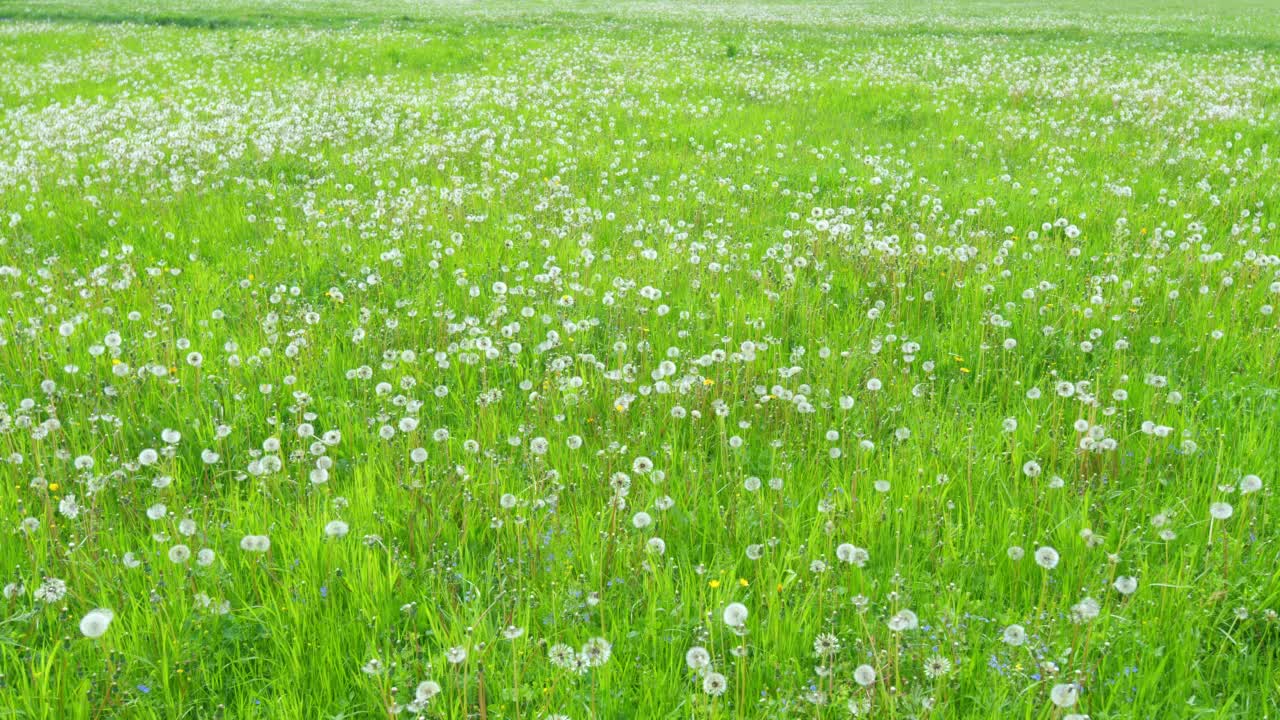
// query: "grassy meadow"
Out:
[639,360]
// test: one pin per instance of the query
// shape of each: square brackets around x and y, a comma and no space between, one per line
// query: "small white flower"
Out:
[1047,557]
[697,658]
[852,554]
[735,615]
[179,554]
[95,623]
[426,690]
[1014,635]
[904,620]
[1065,695]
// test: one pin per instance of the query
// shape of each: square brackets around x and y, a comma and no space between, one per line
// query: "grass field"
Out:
[645,360]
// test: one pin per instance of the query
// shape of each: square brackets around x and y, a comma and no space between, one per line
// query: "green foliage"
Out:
[619,313]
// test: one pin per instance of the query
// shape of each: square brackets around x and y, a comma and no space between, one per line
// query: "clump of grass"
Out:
[531,361]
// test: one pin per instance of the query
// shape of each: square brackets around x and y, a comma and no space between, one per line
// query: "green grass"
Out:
[499,220]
